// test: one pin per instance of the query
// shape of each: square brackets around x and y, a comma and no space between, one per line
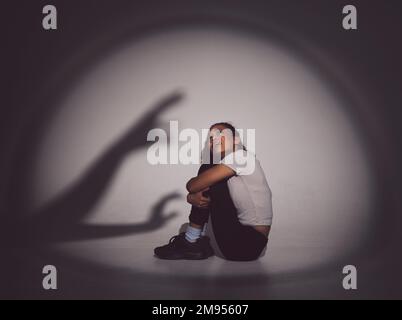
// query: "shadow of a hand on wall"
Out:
[63,218]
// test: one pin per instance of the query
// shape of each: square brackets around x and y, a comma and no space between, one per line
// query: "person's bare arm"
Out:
[209,177]
[198,199]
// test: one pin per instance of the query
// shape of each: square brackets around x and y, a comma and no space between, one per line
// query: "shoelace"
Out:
[173,238]
[178,235]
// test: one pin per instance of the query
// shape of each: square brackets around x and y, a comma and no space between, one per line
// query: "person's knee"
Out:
[204,167]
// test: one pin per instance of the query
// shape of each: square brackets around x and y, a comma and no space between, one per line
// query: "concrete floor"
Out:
[285,269]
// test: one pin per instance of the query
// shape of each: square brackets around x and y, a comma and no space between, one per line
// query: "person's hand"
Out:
[198,199]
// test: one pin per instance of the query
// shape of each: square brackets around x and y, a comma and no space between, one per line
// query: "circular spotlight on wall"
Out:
[311,150]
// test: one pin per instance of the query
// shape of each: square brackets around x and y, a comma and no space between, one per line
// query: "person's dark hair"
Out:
[229,126]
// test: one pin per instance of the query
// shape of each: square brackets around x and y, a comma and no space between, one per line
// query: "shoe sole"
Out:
[187,256]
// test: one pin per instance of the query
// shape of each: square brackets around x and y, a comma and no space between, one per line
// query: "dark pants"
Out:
[235,240]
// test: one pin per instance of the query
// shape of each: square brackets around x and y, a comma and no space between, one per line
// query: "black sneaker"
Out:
[179,248]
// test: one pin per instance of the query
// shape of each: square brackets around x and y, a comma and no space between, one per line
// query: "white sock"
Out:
[192,234]
[204,230]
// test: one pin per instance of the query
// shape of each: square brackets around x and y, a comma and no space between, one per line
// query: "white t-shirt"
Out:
[249,188]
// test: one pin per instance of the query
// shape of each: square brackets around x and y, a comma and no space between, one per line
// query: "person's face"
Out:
[220,139]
